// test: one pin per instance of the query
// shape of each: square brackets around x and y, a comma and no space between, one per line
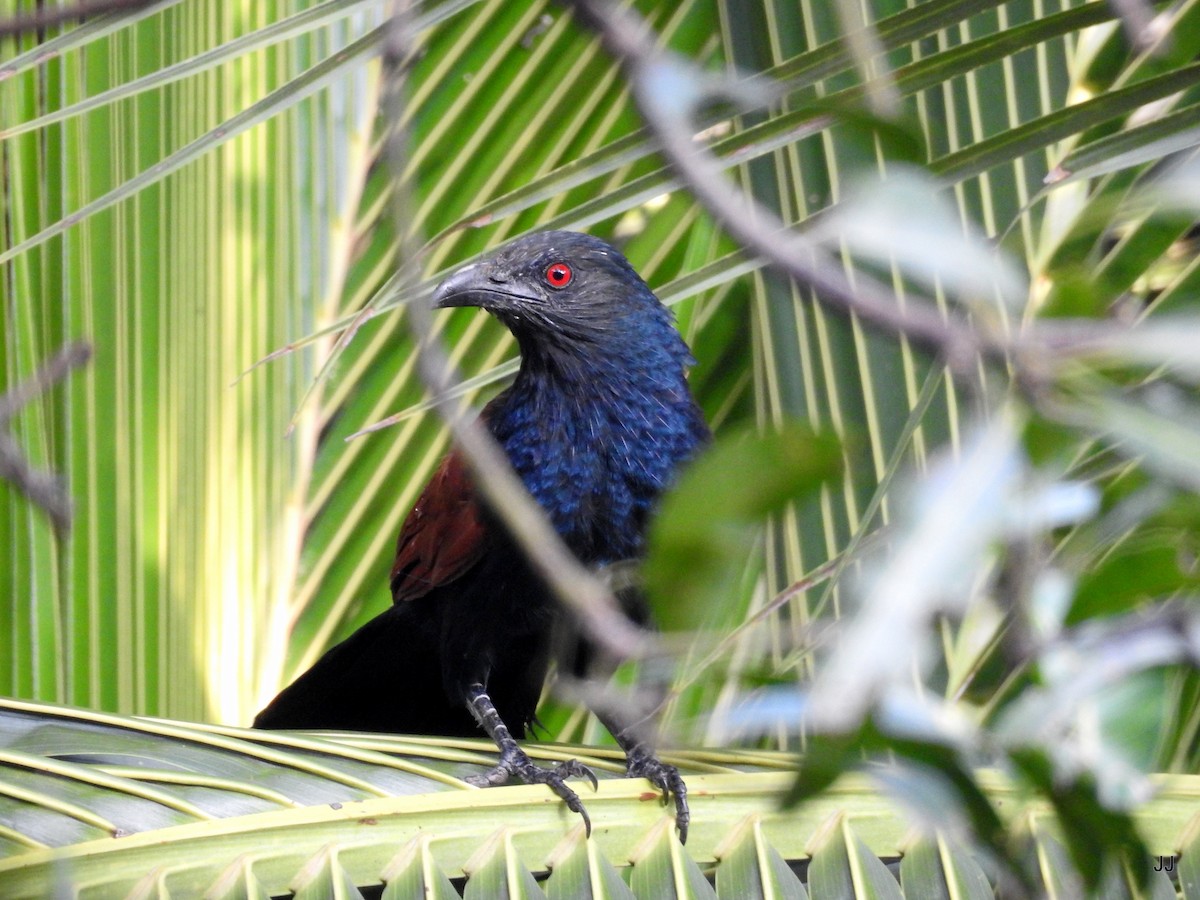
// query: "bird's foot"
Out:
[642,764]
[515,762]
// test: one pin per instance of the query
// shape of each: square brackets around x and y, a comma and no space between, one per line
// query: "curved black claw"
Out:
[668,780]
[520,765]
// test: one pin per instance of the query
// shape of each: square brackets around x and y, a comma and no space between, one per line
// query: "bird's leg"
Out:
[514,761]
[640,762]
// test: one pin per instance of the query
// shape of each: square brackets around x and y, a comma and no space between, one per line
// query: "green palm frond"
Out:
[110,806]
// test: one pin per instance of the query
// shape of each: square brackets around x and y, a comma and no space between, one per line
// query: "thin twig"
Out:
[670,94]
[1145,30]
[49,17]
[586,595]
[43,488]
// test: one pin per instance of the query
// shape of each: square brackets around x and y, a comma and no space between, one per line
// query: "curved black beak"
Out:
[466,287]
[479,285]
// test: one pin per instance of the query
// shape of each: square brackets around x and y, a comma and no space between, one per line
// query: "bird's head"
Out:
[566,294]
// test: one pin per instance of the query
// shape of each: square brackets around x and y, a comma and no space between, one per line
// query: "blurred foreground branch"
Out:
[671,95]
[585,594]
[49,17]
[43,488]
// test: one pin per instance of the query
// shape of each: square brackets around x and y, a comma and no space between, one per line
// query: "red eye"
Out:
[559,275]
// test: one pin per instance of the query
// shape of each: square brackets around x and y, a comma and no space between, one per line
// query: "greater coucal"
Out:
[597,423]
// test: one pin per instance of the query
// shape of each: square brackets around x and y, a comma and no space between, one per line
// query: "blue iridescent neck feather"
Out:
[600,417]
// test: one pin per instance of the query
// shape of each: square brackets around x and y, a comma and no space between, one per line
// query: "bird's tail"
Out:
[386,677]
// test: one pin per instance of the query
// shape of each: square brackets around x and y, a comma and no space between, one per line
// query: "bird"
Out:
[597,423]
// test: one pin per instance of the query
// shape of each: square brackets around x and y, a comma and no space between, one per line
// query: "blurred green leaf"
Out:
[948,524]
[1159,425]
[931,776]
[710,521]
[1150,565]
[904,220]
[1150,142]
[1092,831]
[1167,341]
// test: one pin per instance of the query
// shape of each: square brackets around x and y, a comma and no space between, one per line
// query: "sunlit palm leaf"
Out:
[231,811]
[184,486]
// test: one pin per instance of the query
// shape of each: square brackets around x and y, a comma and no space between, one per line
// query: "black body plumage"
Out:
[596,424]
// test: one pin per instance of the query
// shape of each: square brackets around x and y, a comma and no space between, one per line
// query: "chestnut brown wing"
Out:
[442,537]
